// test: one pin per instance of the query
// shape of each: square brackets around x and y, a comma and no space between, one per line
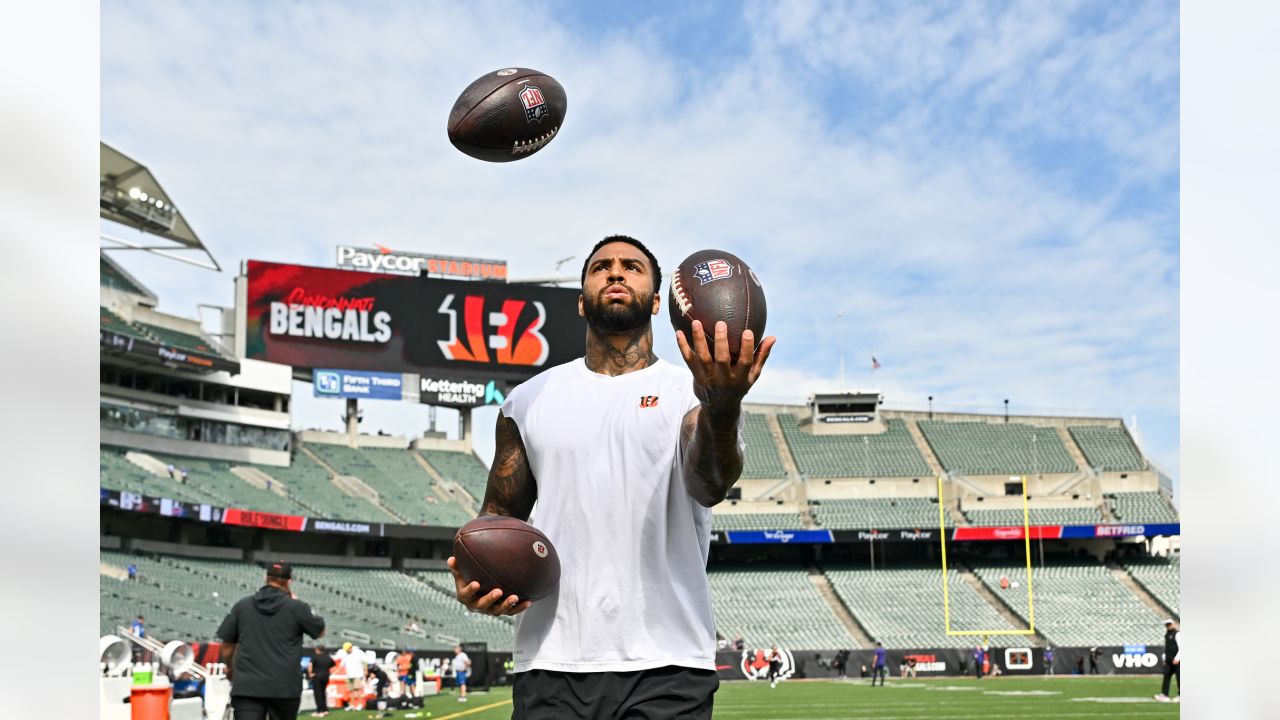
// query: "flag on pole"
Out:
[875,364]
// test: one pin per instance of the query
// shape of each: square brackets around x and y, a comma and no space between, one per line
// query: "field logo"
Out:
[535,106]
[712,270]
[474,344]
[1135,656]
[755,664]
[328,383]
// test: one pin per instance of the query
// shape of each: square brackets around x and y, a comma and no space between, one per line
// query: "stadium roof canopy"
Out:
[132,196]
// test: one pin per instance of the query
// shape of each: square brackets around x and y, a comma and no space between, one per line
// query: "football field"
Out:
[1041,698]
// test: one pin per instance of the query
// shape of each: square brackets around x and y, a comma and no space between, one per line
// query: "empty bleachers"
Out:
[215,477]
[1141,507]
[771,604]
[756,521]
[761,459]
[902,512]
[1038,516]
[1162,577]
[892,453]
[902,607]
[117,473]
[1077,603]
[462,468]
[980,448]
[311,484]
[1107,447]
[178,339]
[403,487]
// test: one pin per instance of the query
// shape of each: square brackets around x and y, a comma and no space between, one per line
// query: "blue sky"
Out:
[988,193]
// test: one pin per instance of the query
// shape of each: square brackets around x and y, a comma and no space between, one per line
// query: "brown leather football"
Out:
[503,552]
[712,285]
[507,115]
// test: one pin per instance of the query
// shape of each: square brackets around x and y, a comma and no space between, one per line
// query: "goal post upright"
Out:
[946,590]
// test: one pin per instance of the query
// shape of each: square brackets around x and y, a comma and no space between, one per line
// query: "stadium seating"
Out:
[108,320]
[109,277]
[403,486]
[188,598]
[902,606]
[312,486]
[769,604]
[761,459]
[892,453]
[1077,603]
[215,477]
[117,473]
[1162,577]
[868,513]
[178,339]
[755,521]
[462,468]
[1107,447]
[979,448]
[1141,507]
[1038,516]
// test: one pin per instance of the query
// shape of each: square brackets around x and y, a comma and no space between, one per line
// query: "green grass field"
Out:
[1040,698]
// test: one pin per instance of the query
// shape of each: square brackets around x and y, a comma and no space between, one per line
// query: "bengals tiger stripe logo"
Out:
[648,401]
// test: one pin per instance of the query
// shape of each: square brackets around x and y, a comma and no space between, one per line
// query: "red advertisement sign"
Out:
[311,317]
[272,521]
[1038,532]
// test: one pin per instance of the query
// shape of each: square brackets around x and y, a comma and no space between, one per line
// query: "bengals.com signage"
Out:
[311,317]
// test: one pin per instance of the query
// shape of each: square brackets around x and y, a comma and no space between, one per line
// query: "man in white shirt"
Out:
[619,457]
[352,659]
[461,670]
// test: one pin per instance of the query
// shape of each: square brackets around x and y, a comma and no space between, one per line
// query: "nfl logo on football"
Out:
[534,105]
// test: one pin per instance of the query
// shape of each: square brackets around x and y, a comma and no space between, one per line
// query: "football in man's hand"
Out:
[506,553]
[712,285]
[507,115]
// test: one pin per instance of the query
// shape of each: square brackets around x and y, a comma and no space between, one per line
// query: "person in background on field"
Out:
[1048,660]
[1172,660]
[262,646]
[878,669]
[1093,660]
[775,665]
[318,673]
[979,657]
[352,658]
[461,669]
[377,677]
[404,672]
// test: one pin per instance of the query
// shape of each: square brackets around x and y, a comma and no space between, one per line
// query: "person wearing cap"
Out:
[1172,661]
[319,669]
[262,648]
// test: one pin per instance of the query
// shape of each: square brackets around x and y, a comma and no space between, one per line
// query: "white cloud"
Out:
[973,271]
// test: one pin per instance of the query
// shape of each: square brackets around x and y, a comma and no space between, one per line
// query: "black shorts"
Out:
[665,693]
[250,708]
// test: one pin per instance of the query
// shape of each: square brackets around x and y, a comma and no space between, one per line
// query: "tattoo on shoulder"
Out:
[511,490]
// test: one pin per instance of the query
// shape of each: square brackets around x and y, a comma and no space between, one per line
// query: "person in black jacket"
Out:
[319,670]
[262,648]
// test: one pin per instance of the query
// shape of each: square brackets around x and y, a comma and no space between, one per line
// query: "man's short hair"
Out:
[653,261]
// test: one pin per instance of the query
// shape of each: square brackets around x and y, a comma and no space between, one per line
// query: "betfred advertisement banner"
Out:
[311,317]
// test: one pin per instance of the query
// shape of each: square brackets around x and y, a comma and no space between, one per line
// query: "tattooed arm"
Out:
[511,492]
[709,432]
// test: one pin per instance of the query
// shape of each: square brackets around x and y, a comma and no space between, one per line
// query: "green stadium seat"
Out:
[980,448]
[892,453]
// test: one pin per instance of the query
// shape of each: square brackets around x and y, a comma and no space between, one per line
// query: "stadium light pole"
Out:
[1006,409]
[930,407]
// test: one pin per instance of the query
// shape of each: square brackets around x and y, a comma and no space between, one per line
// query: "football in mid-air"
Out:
[712,285]
[503,552]
[507,115]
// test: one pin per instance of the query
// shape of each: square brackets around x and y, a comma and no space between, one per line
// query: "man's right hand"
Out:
[489,604]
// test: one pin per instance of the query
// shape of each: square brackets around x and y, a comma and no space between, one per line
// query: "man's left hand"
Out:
[718,380]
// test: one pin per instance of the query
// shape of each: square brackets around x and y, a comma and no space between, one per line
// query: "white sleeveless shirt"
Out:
[633,544]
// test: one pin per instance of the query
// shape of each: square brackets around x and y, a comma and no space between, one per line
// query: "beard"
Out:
[609,318]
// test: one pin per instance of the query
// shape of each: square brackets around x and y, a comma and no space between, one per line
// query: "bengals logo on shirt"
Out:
[648,401]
